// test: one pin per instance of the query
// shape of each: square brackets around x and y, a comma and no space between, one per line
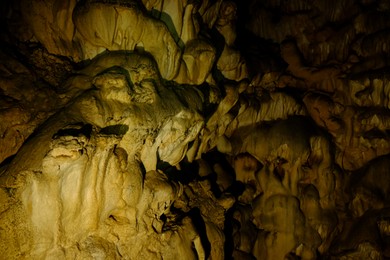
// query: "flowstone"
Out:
[152,129]
[87,184]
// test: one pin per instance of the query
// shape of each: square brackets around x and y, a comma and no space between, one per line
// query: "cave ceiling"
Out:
[208,129]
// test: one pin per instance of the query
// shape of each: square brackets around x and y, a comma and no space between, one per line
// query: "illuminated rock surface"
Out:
[194,129]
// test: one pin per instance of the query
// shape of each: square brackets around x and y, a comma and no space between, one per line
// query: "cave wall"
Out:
[194,129]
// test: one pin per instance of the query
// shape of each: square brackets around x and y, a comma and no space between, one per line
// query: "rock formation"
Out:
[211,129]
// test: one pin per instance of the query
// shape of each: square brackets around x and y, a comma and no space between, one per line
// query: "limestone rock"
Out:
[83,183]
[208,129]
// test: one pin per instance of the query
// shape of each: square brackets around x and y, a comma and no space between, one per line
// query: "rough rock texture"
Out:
[209,129]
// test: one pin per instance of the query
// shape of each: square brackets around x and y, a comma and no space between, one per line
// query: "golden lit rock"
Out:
[194,129]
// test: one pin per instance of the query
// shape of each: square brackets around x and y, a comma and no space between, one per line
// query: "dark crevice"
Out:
[118,130]
[76,131]
[200,226]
